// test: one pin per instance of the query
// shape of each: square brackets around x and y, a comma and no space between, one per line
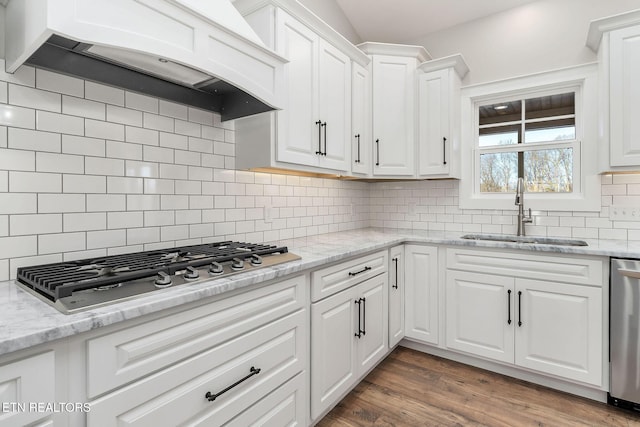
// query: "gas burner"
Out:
[107,287]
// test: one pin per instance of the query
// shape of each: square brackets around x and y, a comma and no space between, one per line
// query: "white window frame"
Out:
[586,182]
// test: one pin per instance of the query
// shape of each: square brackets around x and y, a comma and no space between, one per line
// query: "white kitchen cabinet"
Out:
[396,295]
[552,324]
[421,293]
[439,117]
[360,120]
[348,337]
[393,82]
[616,39]
[313,130]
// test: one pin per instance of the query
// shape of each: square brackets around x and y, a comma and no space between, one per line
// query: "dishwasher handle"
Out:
[629,273]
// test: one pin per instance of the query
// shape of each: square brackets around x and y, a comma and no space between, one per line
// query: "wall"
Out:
[88,170]
[332,14]
[538,36]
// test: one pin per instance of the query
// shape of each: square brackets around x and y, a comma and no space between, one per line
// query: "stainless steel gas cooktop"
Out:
[84,284]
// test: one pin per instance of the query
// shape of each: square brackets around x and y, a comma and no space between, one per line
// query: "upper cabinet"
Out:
[617,41]
[313,131]
[439,117]
[360,121]
[393,88]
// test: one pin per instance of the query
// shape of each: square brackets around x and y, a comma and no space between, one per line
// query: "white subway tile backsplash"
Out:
[106,239]
[136,236]
[141,169]
[141,102]
[225,202]
[17,160]
[188,187]
[223,228]
[60,83]
[84,221]
[224,149]
[157,218]
[157,154]
[103,166]
[171,140]
[24,75]
[61,163]
[3,137]
[124,150]
[83,108]
[62,242]
[14,247]
[200,202]
[125,219]
[172,109]
[142,136]
[84,184]
[187,128]
[200,116]
[82,146]
[170,171]
[212,160]
[174,232]
[213,215]
[213,188]
[125,116]
[4,181]
[188,216]
[20,225]
[17,116]
[213,133]
[157,122]
[59,203]
[34,182]
[200,174]
[201,145]
[4,93]
[4,267]
[106,202]
[92,253]
[200,230]
[158,186]
[187,158]
[104,130]
[61,123]
[104,93]
[24,96]
[143,202]
[124,185]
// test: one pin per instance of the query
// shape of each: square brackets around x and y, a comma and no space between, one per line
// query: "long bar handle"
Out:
[211,397]
[358,138]
[519,308]
[324,125]
[319,124]
[359,333]
[364,316]
[509,307]
[444,150]
[635,274]
[395,260]
[377,152]
[366,268]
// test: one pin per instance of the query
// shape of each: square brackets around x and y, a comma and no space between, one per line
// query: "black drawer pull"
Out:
[444,150]
[358,138]
[319,124]
[509,307]
[519,308]
[211,397]
[361,271]
[377,152]
[360,331]
[395,260]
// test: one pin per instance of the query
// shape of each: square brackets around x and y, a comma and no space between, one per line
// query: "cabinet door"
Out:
[480,314]
[393,111]
[433,95]
[421,293]
[297,134]
[624,106]
[333,346]
[372,345]
[334,98]
[561,330]
[361,120]
[396,295]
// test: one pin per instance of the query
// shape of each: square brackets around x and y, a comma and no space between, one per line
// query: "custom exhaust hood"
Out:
[196,52]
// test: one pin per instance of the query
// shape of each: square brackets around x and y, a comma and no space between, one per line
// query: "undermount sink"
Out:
[525,239]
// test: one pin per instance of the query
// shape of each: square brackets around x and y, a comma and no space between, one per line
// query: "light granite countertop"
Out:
[26,321]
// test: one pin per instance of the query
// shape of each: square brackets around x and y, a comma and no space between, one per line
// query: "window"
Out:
[542,128]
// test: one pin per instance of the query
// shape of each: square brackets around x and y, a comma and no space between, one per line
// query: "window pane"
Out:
[500,113]
[549,133]
[502,135]
[549,171]
[498,172]
[550,106]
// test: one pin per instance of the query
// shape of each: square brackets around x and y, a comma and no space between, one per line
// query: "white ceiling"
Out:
[402,21]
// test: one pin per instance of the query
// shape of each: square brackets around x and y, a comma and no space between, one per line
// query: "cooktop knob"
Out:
[256,259]
[191,273]
[237,264]
[163,280]
[215,268]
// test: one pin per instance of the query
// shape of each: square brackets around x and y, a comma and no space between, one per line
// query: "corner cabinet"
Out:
[393,82]
[312,132]
[616,39]
[396,295]
[439,117]
[553,324]
[421,294]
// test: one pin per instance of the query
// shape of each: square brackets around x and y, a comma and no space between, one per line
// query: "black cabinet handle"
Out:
[361,271]
[360,332]
[395,260]
[509,307]
[324,125]
[364,316]
[444,150]
[519,308]
[211,397]
[319,124]
[358,138]
[377,152]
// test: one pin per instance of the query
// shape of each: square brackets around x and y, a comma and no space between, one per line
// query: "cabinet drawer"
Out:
[330,280]
[24,382]
[284,407]
[579,270]
[121,357]
[177,395]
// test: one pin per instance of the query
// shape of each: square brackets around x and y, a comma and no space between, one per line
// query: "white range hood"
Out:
[197,52]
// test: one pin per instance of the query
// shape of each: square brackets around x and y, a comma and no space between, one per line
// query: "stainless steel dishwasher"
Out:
[624,334]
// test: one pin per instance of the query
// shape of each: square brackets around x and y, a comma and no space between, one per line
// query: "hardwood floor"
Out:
[410,388]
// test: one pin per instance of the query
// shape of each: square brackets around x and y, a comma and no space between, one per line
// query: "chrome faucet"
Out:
[522,219]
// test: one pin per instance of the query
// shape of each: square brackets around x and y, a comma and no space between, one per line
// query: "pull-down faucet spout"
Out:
[522,219]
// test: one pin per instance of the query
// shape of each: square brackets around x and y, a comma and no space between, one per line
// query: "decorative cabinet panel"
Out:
[545,325]
[439,117]
[421,293]
[397,287]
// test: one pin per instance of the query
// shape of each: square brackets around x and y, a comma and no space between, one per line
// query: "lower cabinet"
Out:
[421,293]
[396,295]
[544,324]
[348,337]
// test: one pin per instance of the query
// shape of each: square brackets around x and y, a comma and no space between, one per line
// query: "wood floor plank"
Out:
[410,388]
